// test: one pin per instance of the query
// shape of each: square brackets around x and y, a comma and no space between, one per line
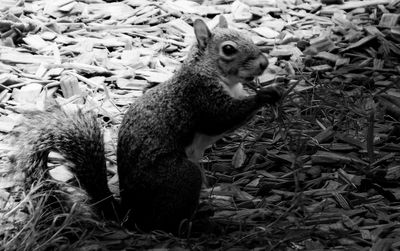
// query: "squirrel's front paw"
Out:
[269,94]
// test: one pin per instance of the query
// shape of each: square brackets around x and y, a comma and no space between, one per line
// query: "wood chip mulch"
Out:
[319,171]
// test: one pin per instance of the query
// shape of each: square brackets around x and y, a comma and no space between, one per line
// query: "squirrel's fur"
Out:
[164,132]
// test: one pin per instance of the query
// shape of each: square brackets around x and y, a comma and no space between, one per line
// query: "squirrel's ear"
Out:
[222,22]
[203,34]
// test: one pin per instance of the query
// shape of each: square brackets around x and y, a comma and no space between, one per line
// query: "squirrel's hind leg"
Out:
[166,200]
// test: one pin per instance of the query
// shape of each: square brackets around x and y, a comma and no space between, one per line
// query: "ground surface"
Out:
[320,171]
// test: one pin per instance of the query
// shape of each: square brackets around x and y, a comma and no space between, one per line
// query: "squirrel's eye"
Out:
[229,50]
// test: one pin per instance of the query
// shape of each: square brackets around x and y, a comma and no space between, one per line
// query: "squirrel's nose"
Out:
[263,62]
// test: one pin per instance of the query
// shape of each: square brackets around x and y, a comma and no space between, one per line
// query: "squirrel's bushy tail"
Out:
[77,136]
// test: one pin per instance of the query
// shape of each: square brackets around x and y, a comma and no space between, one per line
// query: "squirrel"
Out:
[162,135]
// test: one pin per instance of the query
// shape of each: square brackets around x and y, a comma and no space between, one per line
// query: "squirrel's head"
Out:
[235,56]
